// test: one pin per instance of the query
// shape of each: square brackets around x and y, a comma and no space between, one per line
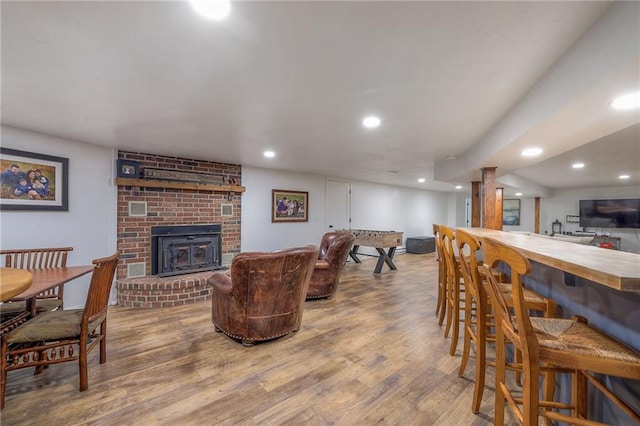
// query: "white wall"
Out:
[566,202]
[392,208]
[258,233]
[89,225]
[527,217]
[373,206]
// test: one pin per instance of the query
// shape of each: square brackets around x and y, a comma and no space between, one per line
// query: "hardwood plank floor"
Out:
[372,355]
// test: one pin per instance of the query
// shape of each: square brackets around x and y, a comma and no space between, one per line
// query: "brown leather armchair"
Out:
[262,296]
[334,250]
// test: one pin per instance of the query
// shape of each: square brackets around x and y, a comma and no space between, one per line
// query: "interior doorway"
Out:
[338,204]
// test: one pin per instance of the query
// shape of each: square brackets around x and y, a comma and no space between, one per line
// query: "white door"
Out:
[338,204]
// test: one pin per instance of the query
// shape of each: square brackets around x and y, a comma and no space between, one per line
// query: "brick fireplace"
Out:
[142,208]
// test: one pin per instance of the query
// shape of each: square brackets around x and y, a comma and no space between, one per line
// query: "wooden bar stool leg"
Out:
[579,394]
[455,320]
[450,308]
[500,372]
[481,362]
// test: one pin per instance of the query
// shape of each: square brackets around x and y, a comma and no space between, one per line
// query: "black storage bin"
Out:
[421,245]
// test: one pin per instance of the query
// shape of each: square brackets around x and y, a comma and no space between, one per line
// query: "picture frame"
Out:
[33,181]
[511,212]
[289,206]
[128,169]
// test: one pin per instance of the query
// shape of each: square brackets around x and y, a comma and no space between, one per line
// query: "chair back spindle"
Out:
[40,258]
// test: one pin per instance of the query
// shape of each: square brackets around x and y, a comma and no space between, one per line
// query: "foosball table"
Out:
[378,240]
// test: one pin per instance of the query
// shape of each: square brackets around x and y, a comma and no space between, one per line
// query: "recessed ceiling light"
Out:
[216,10]
[422,180]
[518,194]
[577,165]
[371,122]
[531,152]
[623,177]
[628,101]
[458,186]
[269,154]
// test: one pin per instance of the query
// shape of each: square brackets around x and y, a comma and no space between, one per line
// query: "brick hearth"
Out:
[156,292]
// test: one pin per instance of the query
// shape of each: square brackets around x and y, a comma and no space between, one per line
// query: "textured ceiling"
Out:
[298,77]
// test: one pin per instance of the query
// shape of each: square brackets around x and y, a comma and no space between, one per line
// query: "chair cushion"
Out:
[42,305]
[13,307]
[580,339]
[529,296]
[56,325]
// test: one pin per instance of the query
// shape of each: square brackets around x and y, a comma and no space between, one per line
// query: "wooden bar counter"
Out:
[600,284]
[612,268]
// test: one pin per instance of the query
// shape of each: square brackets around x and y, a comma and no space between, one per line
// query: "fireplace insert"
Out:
[183,249]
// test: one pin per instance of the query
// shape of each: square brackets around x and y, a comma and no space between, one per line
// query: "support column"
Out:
[475,204]
[536,216]
[489,217]
[499,196]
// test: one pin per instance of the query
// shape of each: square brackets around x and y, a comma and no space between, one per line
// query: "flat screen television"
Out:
[610,213]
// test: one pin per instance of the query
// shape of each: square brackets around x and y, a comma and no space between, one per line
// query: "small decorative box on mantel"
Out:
[128,169]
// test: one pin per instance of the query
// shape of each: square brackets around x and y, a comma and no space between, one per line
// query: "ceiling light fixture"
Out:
[578,165]
[518,194]
[531,152]
[371,122]
[450,157]
[623,177]
[628,101]
[422,180]
[216,10]
[458,186]
[269,154]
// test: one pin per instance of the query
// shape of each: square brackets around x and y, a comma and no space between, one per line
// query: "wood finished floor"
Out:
[372,355]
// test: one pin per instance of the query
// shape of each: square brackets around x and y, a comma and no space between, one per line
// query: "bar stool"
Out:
[478,319]
[442,276]
[454,288]
[564,345]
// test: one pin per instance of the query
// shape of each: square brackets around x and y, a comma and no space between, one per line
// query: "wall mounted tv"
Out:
[610,213]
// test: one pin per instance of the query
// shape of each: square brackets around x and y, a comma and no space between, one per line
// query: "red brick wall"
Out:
[174,207]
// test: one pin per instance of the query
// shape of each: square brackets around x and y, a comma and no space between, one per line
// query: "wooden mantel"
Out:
[150,183]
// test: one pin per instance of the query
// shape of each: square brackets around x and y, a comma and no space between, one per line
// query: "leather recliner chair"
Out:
[262,296]
[334,250]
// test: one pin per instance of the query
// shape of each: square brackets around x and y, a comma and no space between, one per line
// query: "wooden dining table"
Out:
[48,278]
[13,281]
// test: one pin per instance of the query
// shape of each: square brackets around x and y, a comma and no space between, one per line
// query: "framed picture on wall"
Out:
[33,181]
[511,212]
[289,206]
[128,169]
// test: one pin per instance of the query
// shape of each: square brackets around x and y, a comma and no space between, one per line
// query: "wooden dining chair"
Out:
[550,344]
[39,258]
[478,317]
[63,335]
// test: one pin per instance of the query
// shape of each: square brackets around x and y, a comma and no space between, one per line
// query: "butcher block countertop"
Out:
[612,268]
